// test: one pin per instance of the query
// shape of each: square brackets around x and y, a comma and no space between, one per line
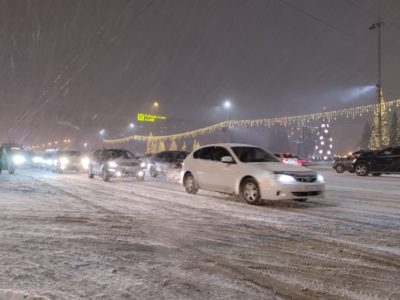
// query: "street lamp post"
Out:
[227,106]
[378,26]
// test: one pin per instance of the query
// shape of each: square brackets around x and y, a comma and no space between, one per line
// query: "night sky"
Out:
[74,66]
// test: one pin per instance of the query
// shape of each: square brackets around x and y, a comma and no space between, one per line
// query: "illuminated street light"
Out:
[102,132]
[131,125]
[227,104]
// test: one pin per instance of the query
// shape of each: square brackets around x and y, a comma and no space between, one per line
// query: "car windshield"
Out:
[254,154]
[120,154]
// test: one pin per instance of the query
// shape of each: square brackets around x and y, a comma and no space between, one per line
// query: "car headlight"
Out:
[85,162]
[143,165]
[285,179]
[320,178]
[112,164]
[18,159]
[140,173]
[37,159]
[354,160]
[64,161]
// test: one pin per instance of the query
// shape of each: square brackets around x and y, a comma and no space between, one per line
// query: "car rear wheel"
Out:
[153,171]
[339,168]
[190,184]
[362,169]
[105,175]
[376,174]
[250,192]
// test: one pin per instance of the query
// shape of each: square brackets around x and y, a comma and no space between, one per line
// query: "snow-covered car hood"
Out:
[280,167]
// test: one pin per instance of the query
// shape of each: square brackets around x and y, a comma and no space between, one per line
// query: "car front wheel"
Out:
[190,184]
[362,169]
[250,192]
[153,171]
[105,175]
[339,168]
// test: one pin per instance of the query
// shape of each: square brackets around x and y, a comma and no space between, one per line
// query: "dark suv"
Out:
[109,163]
[386,161]
[160,162]
[341,164]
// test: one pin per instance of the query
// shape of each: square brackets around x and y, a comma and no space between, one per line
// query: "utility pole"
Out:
[378,26]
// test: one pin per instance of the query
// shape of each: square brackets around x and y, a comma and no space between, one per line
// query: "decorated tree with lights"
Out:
[151,144]
[161,146]
[196,145]
[394,136]
[183,147]
[380,133]
[324,142]
[366,137]
[173,146]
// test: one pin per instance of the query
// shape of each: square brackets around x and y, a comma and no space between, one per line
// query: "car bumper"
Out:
[71,167]
[126,172]
[279,191]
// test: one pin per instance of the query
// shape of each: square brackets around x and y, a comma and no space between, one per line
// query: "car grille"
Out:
[307,177]
[305,194]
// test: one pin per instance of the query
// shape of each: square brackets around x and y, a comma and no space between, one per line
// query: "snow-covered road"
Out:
[64,236]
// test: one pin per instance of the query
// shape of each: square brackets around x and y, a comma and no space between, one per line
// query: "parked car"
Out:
[288,158]
[160,162]
[345,163]
[386,161]
[250,172]
[66,160]
[109,163]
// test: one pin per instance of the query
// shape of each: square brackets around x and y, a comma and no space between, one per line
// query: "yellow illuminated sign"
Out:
[141,117]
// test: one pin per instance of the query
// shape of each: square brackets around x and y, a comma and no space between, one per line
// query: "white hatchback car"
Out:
[250,172]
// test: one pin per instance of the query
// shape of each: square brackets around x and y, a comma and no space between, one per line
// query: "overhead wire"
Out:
[333,27]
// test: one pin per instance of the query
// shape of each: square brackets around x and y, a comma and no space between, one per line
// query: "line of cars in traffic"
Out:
[248,171]
[365,162]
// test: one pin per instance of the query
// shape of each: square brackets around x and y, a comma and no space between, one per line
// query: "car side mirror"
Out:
[227,159]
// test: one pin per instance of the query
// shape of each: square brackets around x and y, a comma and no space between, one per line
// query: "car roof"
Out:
[229,145]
